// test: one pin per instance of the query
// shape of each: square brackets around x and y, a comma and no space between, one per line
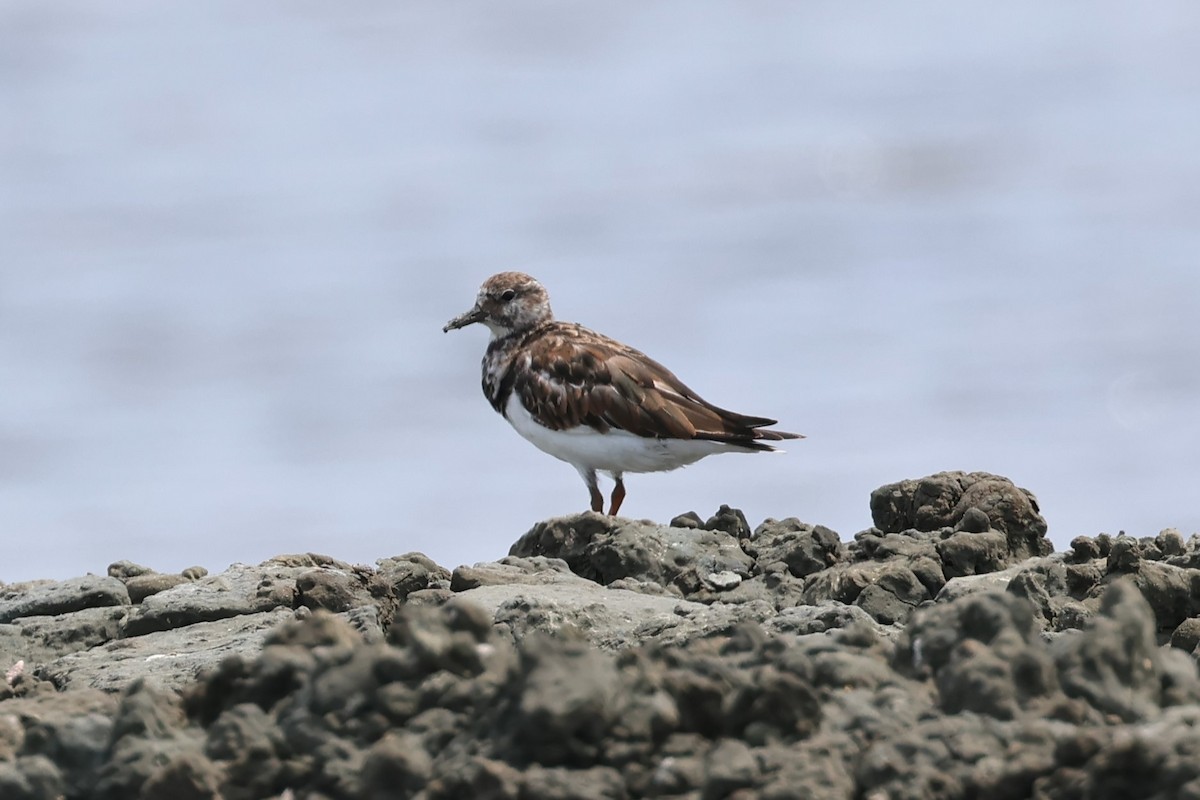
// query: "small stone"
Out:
[1170,542]
[1186,635]
[127,569]
[688,519]
[973,521]
[1124,554]
[1084,548]
[142,586]
[722,581]
[729,520]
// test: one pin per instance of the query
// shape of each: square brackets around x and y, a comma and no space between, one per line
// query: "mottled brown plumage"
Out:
[554,381]
[575,376]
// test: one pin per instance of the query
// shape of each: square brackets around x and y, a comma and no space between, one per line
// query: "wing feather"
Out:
[572,376]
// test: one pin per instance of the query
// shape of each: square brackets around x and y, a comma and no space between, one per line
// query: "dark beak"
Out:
[463,320]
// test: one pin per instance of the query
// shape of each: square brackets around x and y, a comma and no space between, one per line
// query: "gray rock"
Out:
[1084,548]
[561,783]
[605,549]
[69,730]
[731,521]
[240,590]
[1186,635]
[973,553]
[128,569]
[38,640]
[984,653]
[75,594]
[1115,663]
[332,589]
[805,549]
[617,659]
[1042,582]
[566,699]
[721,581]
[1172,592]
[730,766]
[171,658]
[31,778]
[944,499]
[1125,554]
[142,586]
[971,584]
[829,616]
[554,601]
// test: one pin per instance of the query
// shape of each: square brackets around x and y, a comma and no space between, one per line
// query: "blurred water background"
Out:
[930,236]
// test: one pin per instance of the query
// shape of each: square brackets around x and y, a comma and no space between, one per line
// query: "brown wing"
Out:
[574,376]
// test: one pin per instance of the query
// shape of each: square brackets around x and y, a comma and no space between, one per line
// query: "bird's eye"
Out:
[508,294]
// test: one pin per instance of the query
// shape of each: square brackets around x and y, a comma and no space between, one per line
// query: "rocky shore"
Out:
[946,652]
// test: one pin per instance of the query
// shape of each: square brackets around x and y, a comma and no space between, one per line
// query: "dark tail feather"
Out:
[748,432]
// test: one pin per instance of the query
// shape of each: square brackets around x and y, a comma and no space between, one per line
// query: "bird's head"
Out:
[508,302]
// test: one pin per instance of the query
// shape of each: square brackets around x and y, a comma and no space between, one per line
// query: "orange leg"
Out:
[618,497]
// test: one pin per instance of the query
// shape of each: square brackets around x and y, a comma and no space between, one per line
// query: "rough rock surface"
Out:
[944,653]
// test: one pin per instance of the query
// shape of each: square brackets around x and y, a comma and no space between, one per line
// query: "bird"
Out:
[591,401]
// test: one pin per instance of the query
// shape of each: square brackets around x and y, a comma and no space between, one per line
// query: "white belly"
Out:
[616,451]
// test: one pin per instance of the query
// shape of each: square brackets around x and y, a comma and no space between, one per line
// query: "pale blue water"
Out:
[931,236]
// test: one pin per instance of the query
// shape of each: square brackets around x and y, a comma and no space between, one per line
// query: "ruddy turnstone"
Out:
[591,401]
